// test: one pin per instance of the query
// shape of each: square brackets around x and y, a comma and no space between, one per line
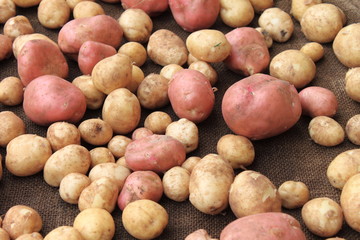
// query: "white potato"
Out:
[352,129]
[64,232]
[72,185]
[294,194]
[326,131]
[18,25]
[238,13]
[53,14]
[176,183]
[206,69]
[61,134]
[94,97]
[101,155]
[7,9]
[186,132]
[298,7]
[352,83]
[157,122]
[95,131]
[117,145]
[87,9]
[11,126]
[314,50]
[11,91]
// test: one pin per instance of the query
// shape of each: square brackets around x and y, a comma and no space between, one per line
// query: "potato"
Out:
[318,101]
[206,69]
[261,5]
[249,52]
[62,232]
[268,39]
[245,99]
[101,193]
[157,122]
[92,52]
[169,70]
[73,3]
[200,234]
[208,45]
[293,194]
[21,219]
[136,24]
[69,159]
[122,110]
[151,7]
[293,66]
[7,9]
[161,153]
[140,185]
[140,133]
[121,161]
[236,13]
[314,50]
[94,97]
[342,167]
[27,154]
[99,28]
[6,47]
[298,7]
[352,81]
[186,132]
[39,57]
[111,170]
[352,129]
[11,91]
[165,47]
[153,91]
[349,202]
[321,22]
[190,163]
[1,175]
[209,185]
[344,45]
[137,76]
[191,95]
[112,72]
[176,182]
[72,185]
[30,236]
[87,9]
[326,131]
[249,227]
[136,51]
[194,15]
[61,134]
[236,149]
[277,23]
[11,126]
[16,26]
[26,3]
[101,155]
[95,131]
[95,224]
[53,14]
[118,144]
[48,99]
[191,59]
[251,193]
[144,219]
[322,216]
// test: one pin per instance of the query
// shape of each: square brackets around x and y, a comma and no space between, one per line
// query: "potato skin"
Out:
[151,7]
[49,99]
[6,47]
[261,227]
[349,202]
[246,101]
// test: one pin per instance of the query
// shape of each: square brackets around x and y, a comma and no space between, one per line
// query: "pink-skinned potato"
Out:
[6,47]
[155,152]
[264,226]
[99,28]
[261,106]
[140,185]
[195,15]
[49,98]
[151,7]
[39,57]
[249,53]
[191,95]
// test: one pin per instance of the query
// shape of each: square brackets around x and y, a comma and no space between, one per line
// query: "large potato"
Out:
[246,109]
[350,202]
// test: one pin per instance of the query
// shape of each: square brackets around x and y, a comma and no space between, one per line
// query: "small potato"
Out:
[6,47]
[53,14]
[165,47]
[72,185]
[176,184]
[21,219]
[326,131]
[118,144]
[11,126]
[30,236]
[236,149]
[322,216]
[87,9]
[293,66]
[16,26]
[157,122]
[61,134]
[349,202]
[121,161]
[314,50]
[236,13]
[151,7]
[95,131]
[136,52]
[94,97]
[27,154]
[186,132]
[208,45]
[298,7]
[7,9]
[352,129]
[140,133]
[191,59]
[169,70]
[73,3]
[153,91]
[95,224]
[64,232]
[268,39]
[101,155]
[293,194]
[136,24]
[352,81]
[261,5]
[277,23]
[190,163]
[200,234]
[206,69]
[11,91]
[144,219]
[137,76]
[26,3]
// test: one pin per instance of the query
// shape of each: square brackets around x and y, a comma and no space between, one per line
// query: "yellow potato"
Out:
[11,126]
[298,7]
[87,9]
[7,9]
[61,134]
[72,185]
[64,232]
[294,194]
[16,26]
[238,13]
[326,131]
[53,14]
[101,155]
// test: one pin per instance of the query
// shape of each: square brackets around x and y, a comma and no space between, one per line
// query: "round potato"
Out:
[136,51]
[73,3]
[326,131]
[72,185]
[16,26]
[117,145]
[53,14]
[236,13]
[186,132]
[87,9]
[268,39]
[169,70]
[352,81]
[101,155]
[206,69]
[95,131]
[141,133]
[298,7]
[11,126]
[352,129]
[61,134]
[293,194]
[153,91]
[94,97]
[11,91]
[7,9]
[190,163]
[64,232]
[314,50]
[176,184]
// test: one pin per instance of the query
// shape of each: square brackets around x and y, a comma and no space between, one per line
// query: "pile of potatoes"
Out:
[131,167]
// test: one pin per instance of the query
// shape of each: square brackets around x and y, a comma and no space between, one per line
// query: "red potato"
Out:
[249,52]
[318,101]
[191,95]
[155,152]
[39,57]
[261,106]
[48,99]
[195,15]
[264,226]
[99,28]
[6,47]
[91,52]
[140,185]
[151,7]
